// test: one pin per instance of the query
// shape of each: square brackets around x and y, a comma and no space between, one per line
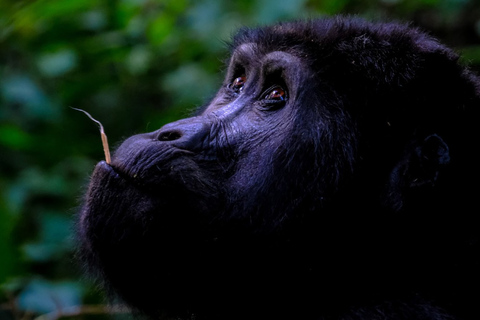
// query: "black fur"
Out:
[350,192]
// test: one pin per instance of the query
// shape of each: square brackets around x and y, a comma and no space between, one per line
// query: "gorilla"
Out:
[332,176]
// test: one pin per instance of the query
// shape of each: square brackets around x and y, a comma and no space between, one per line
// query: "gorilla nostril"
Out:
[169,135]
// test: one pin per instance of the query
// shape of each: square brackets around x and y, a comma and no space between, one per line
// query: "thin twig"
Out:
[102,134]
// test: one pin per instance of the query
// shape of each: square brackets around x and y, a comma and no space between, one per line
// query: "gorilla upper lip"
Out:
[150,166]
[107,171]
[111,172]
[104,168]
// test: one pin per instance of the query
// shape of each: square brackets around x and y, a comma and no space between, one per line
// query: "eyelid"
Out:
[267,92]
[238,83]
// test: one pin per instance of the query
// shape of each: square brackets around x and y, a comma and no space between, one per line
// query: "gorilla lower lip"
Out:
[106,169]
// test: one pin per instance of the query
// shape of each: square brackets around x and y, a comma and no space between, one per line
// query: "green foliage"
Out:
[41,296]
[134,65]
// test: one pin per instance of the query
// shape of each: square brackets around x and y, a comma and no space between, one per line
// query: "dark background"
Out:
[134,65]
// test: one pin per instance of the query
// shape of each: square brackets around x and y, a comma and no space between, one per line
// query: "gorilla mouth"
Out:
[105,172]
[109,173]
[114,174]
[107,169]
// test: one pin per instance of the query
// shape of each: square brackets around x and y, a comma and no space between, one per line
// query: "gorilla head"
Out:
[332,176]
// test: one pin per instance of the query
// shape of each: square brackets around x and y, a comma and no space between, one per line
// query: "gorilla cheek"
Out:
[124,222]
[115,212]
[127,235]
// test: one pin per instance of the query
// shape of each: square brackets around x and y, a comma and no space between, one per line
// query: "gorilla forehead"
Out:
[311,35]
[345,43]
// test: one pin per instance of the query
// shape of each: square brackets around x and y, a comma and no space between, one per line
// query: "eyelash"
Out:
[238,83]
[274,93]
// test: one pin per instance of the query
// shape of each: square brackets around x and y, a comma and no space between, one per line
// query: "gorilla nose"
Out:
[186,133]
[169,135]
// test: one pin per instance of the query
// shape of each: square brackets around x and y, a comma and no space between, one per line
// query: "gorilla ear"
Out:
[418,168]
[426,161]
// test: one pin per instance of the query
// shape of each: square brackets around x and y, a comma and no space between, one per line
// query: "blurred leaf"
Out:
[57,63]
[203,16]
[160,28]
[8,252]
[41,296]
[32,182]
[333,6]
[50,9]
[20,91]
[16,196]
[13,137]
[136,27]
[272,10]
[190,84]
[42,182]
[138,60]
[40,252]
[470,55]
[55,238]
[94,20]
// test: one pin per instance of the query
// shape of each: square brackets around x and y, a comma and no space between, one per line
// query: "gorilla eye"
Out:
[276,93]
[238,83]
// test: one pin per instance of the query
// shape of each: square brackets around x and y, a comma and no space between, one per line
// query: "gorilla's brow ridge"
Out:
[246,50]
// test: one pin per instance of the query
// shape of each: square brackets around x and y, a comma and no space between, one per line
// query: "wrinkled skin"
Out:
[329,178]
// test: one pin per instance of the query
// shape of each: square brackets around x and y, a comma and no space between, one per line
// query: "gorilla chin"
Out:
[328,178]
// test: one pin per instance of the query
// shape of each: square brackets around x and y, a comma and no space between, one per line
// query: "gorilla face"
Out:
[195,200]
[296,182]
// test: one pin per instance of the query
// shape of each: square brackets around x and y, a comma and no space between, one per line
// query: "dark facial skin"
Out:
[317,183]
